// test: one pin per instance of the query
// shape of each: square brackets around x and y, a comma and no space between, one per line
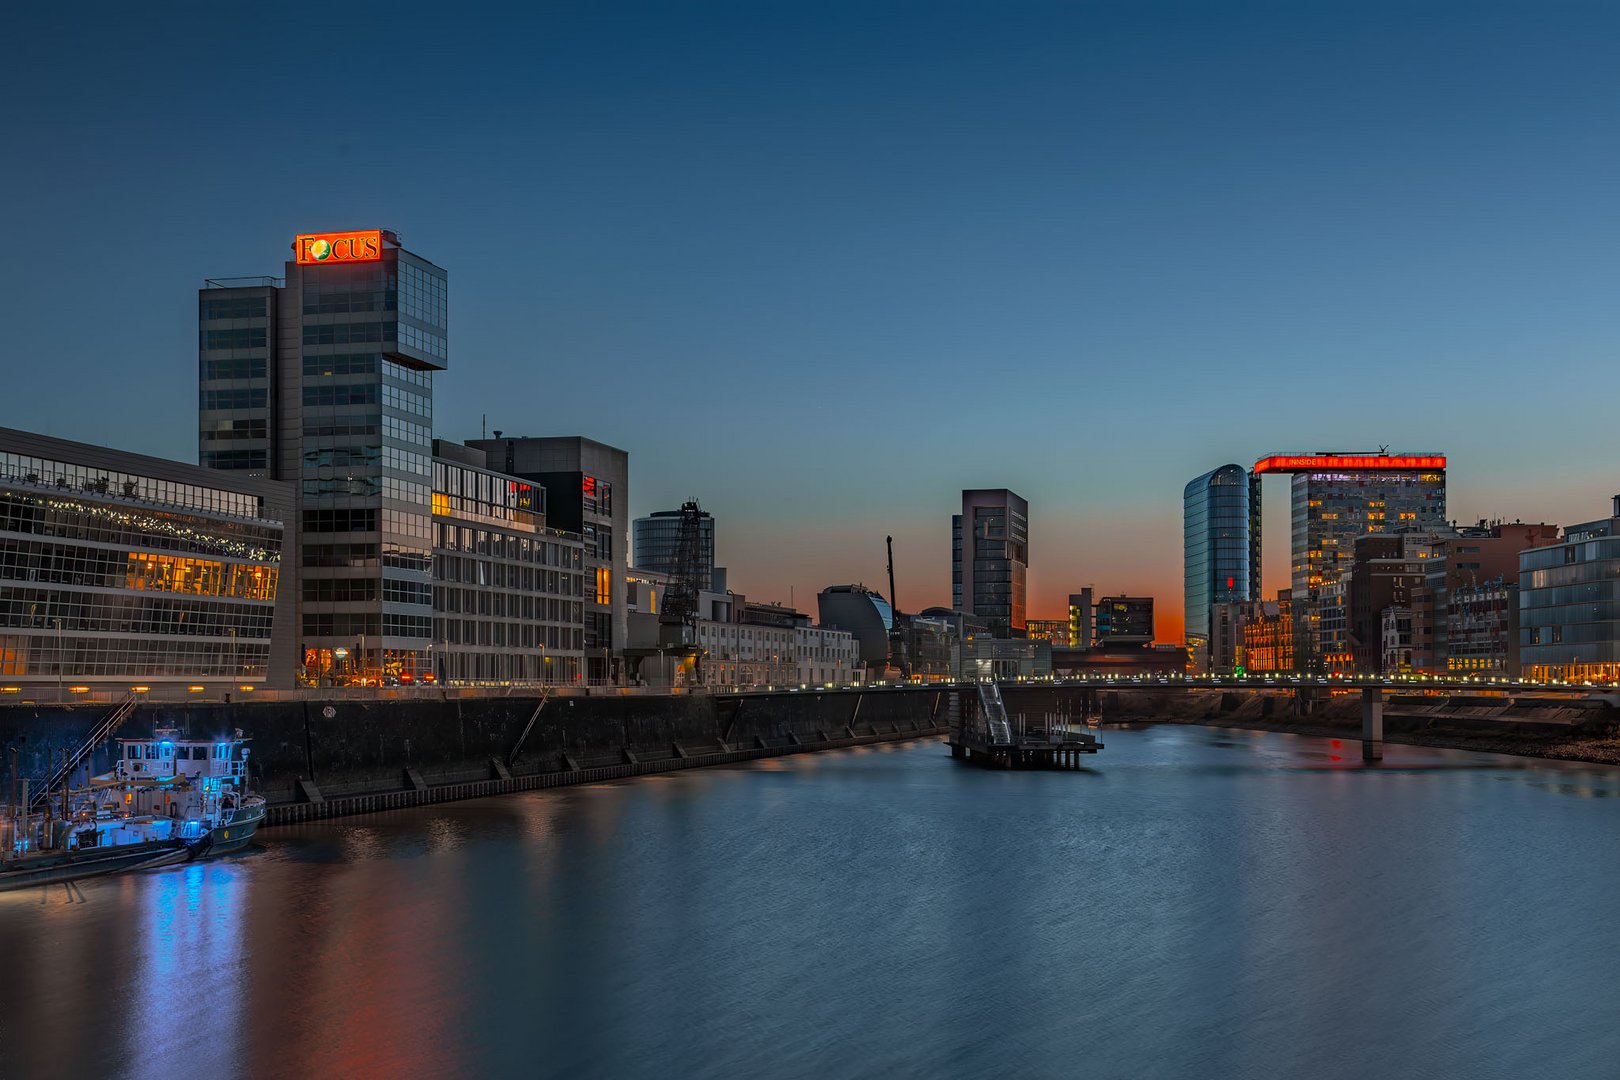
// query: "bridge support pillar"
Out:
[1372,724]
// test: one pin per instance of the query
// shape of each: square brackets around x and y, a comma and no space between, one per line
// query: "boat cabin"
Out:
[167,756]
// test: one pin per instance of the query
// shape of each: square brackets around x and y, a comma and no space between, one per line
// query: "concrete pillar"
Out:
[1372,724]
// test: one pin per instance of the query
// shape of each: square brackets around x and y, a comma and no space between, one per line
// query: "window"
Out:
[252,337]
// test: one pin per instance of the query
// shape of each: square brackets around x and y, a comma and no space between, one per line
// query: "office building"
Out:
[1124,621]
[1221,549]
[865,615]
[120,571]
[324,378]
[508,591]
[1337,497]
[588,493]
[1082,623]
[990,558]
[1569,604]
[656,542]
[1477,578]
[1386,571]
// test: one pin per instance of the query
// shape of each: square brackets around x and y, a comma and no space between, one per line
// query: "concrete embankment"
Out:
[319,758]
[1562,729]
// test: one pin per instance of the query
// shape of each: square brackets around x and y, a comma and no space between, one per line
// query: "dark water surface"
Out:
[1199,903]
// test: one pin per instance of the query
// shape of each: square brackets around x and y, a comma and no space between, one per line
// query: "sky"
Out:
[824,265]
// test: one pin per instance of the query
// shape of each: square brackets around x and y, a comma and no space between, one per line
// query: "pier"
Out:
[983,733]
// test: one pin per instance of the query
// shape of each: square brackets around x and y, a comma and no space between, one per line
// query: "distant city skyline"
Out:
[825,267]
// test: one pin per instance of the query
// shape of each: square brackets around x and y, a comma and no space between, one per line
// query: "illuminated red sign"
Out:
[587,486]
[316,249]
[1290,463]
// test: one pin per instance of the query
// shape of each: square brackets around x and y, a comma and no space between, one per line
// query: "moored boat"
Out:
[168,799]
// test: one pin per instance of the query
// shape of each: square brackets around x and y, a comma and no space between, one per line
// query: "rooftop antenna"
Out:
[1383,450]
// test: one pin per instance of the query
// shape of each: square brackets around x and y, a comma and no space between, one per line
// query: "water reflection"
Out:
[1192,903]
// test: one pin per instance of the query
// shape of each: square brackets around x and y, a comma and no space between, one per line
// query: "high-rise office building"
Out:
[1337,497]
[990,558]
[324,378]
[1221,547]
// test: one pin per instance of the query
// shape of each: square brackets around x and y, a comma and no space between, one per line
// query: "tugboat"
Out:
[168,799]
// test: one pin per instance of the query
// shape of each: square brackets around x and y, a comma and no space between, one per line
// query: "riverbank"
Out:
[1596,749]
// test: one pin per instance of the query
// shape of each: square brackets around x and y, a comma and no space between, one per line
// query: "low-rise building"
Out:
[119,571]
[1124,620]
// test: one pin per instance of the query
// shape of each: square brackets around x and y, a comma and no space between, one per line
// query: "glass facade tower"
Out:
[1569,605]
[1221,547]
[325,379]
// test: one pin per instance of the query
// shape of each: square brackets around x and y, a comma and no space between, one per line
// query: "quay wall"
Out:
[357,747]
[377,747]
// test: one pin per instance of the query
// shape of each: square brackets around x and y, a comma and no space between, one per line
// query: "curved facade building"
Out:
[1221,518]
[656,541]
[863,613]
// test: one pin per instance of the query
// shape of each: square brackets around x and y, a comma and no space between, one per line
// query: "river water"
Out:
[1198,903]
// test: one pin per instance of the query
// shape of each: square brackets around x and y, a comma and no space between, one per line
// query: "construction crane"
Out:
[897,643]
[678,618]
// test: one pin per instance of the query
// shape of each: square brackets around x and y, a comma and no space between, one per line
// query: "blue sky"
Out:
[824,265]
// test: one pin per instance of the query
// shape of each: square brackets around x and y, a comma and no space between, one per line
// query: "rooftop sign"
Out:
[314,249]
[1299,463]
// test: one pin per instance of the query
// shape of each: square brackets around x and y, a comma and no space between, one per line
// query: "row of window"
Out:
[251,398]
[525,606]
[64,476]
[340,302]
[423,294]
[124,613]
[132,658]
[407,401]
[497,574]
[508,635]
[236,307]
[252,368]
[242,427]
[346,426]
[235,459]
[248,337]
[318,395]
[349,333]
[511,548]
[407,431]
[342,364]
[32,520]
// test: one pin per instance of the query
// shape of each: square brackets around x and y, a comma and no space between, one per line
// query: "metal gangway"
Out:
[997,726]
[101,733]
